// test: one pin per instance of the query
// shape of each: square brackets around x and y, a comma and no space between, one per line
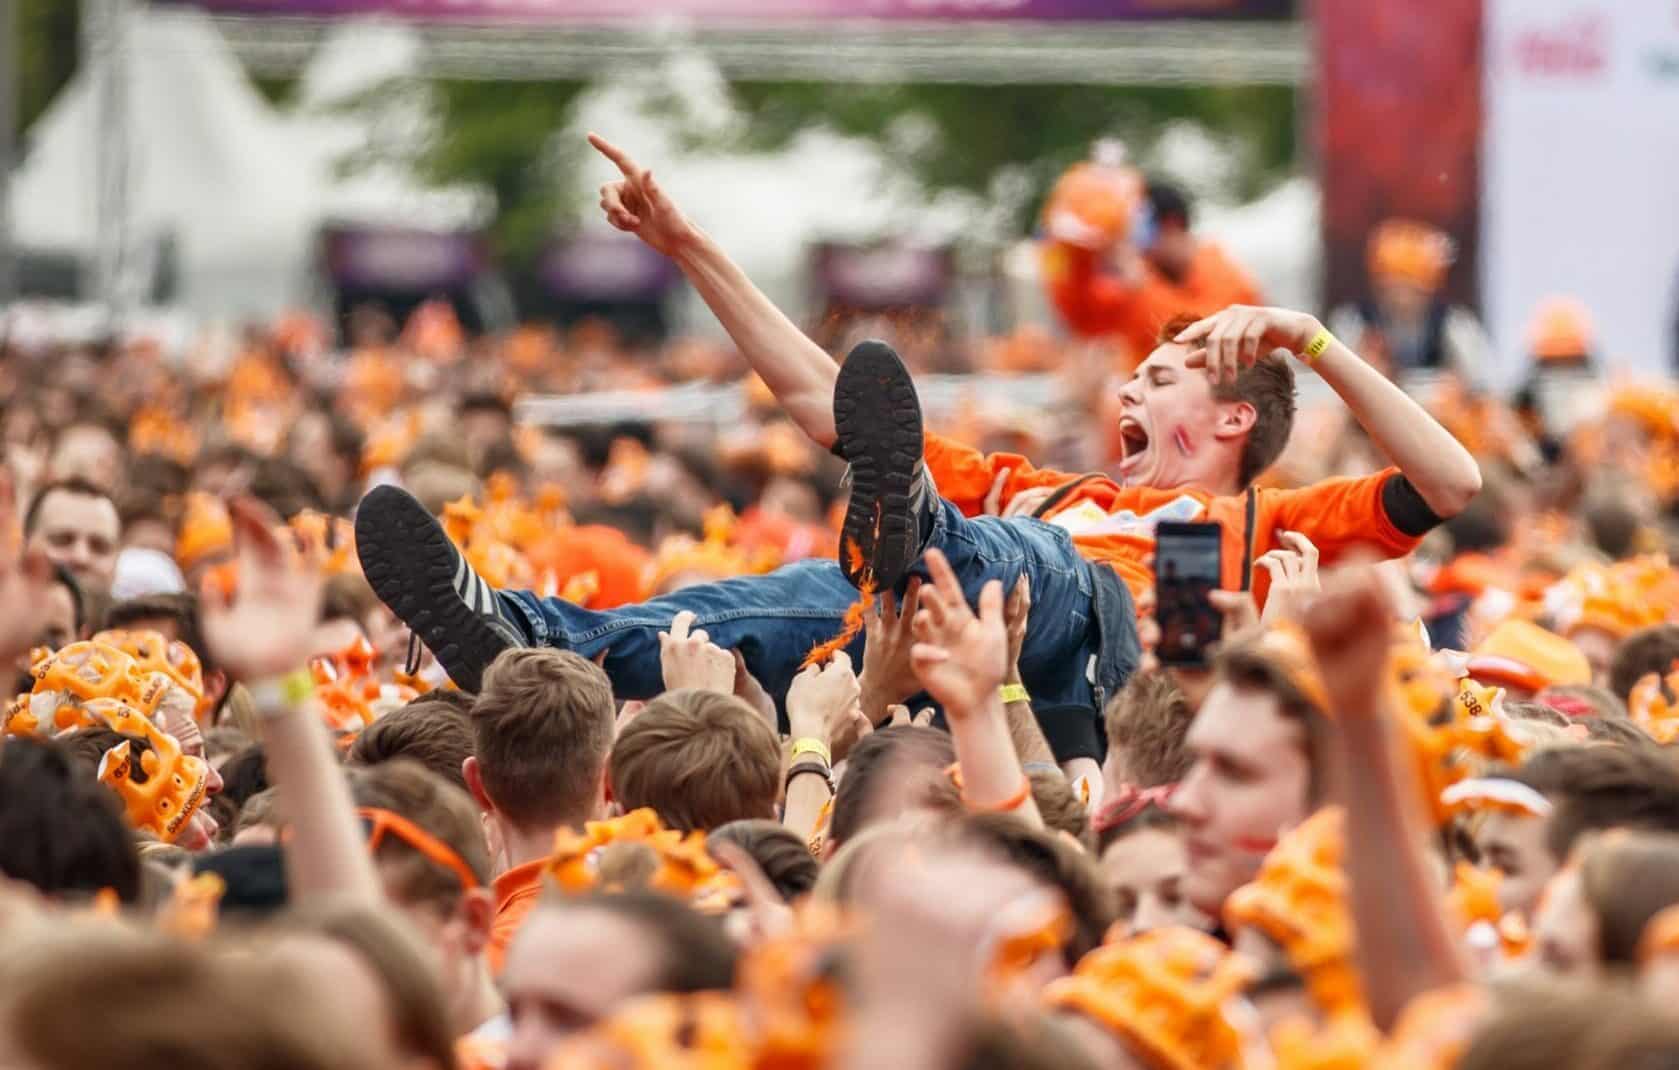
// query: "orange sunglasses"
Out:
[380,822]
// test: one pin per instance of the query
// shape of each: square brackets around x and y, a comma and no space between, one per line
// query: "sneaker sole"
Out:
[878,420]
[411,564]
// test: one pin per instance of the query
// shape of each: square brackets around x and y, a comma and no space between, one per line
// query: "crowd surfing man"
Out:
[1202,418]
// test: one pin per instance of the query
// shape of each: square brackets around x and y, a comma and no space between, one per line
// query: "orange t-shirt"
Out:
[1096,303]
[1114,525]
[516,893]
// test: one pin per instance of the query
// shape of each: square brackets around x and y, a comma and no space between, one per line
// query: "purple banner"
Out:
[759,10]
[418,261]
[606,267]
[884,276]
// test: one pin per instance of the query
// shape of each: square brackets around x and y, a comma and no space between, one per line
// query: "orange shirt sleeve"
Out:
[964,475]
[1338,515]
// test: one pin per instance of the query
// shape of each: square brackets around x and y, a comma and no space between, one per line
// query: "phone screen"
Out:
[1187,569]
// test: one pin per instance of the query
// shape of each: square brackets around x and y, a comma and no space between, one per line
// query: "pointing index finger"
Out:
[618,156]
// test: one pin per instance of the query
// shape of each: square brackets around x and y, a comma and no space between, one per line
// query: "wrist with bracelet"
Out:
[811,755]
[277,696]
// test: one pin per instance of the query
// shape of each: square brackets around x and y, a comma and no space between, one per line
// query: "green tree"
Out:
[45,48]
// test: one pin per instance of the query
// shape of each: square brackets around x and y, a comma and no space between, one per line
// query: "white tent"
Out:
[241,188]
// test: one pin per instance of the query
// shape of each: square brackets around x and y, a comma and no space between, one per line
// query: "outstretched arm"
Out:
[1436,464]
[798,371]
[1405,946]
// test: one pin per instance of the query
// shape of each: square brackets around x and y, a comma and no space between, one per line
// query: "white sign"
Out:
[1580,175]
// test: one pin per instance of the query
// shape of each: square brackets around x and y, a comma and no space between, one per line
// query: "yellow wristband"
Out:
[807,745]
[1014,693]
[1320,342]
[278,696]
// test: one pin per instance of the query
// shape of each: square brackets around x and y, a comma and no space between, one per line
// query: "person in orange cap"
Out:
[1565,384]
[1120,258]
[1405,325]
[1525,659]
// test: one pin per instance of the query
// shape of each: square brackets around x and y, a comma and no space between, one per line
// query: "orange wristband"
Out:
[1007,806]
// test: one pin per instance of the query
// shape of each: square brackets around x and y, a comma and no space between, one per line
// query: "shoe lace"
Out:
[411,664]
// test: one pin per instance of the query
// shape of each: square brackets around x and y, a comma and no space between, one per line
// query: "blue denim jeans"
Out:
[776,619]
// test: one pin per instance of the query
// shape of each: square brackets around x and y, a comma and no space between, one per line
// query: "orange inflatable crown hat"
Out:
[1164,994]
[681,865]
[1412,252]
[153,653]
[160,790]
[82,671]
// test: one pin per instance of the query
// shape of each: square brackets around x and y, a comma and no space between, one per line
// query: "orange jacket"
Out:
[1096,303]
[1114,525]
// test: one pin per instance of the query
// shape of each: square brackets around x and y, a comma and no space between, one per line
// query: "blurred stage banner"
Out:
[397,259]
[606,267]
[1581,172]
[883,276]
[1399,129]
[759,10]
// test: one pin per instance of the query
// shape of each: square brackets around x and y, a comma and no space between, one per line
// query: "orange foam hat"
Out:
[1164,994]
[1093,205]
[1299,901]
[1610,600]
[1410,251]
[1285,645]
[1522,655]
[154,653]
[1561,329]
[83,671]
[164,788]
[206,531]
[1651,709]
[683,866]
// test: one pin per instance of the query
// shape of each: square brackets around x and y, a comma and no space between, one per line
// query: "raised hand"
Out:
[1235,338]
[1351,629]
[690,659]
[1294,577]
[888,676]
[822,700]
[265,626]
[638,205]
[960,657]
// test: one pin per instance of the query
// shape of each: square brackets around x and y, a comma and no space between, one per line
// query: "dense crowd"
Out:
[359,724]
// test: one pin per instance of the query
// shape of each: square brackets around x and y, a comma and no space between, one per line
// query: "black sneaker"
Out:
[878,419]
[415,569]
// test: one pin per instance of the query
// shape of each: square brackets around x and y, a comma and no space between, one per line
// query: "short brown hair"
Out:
[778,851]
[1245,665]
[1652,650]
[888,755]
[437,735]
[1269,387]
[1629,879]
[542,729]
[1147,721]
[441,810]
[1061,808]
[1596,788]
[700,759]
[1051,859]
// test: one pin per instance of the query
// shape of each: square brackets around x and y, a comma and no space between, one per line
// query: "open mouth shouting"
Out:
[1134,444]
